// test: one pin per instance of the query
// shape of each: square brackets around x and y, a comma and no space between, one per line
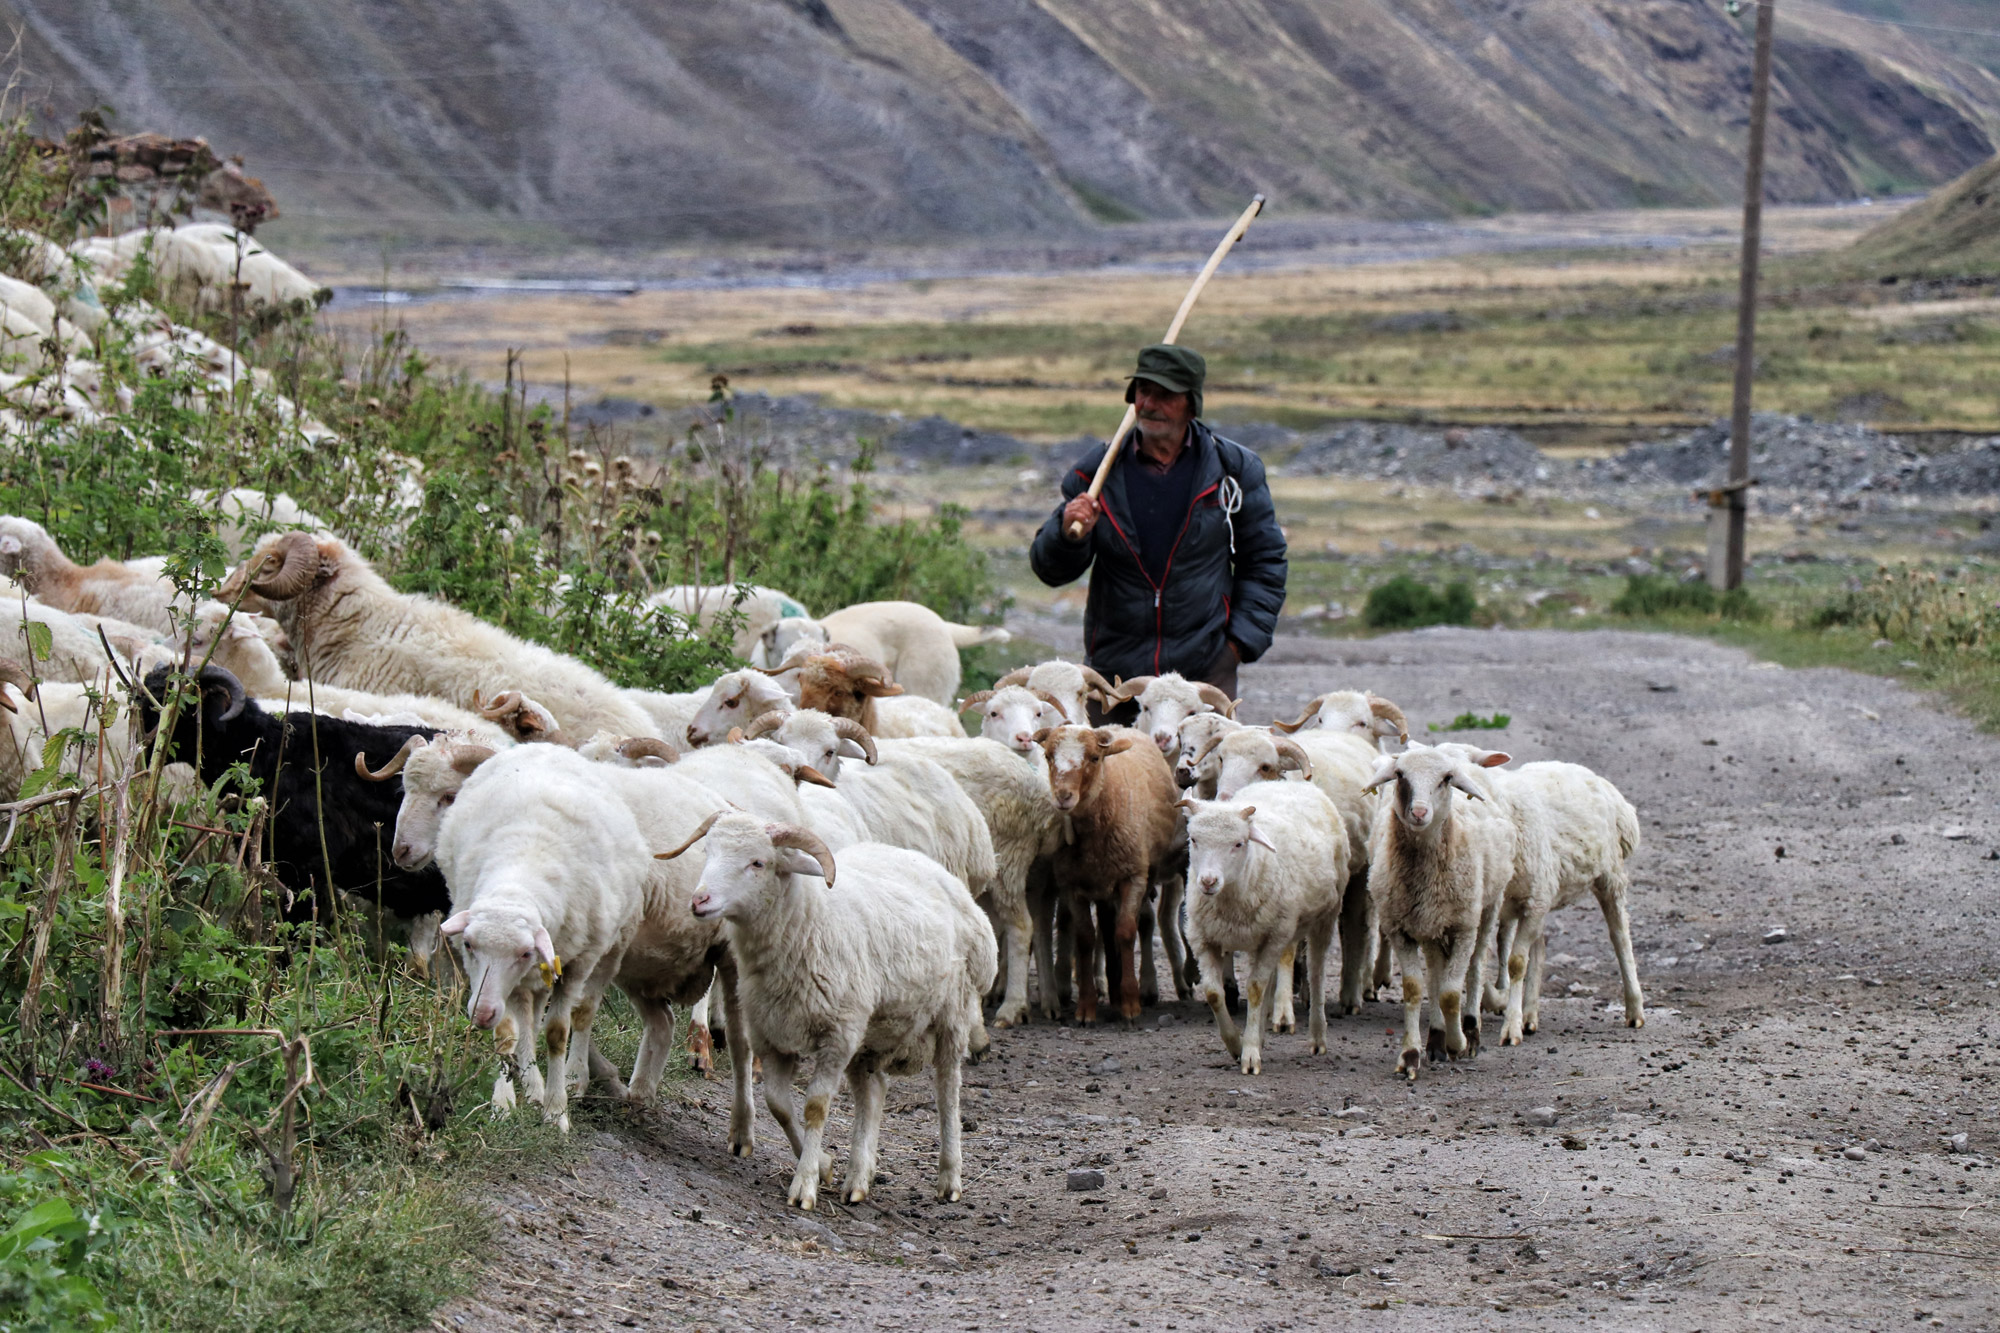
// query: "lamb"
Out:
[346,626]
[916,646]
[1436,873]
[1012,714]
[1167,701]
[1073,686]
[330,829]
[1341,765]
[1591,832]
[876,971]
[763,610]
[547,891]
[137,591]
[1264,902]
[1119,796]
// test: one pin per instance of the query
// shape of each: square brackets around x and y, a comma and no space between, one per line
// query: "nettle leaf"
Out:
[53,747]
[39,781]
[41,639]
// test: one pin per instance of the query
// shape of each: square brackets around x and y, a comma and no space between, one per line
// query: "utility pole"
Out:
[1731,503]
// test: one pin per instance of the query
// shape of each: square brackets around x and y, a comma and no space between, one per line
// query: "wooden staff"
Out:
[1235,234]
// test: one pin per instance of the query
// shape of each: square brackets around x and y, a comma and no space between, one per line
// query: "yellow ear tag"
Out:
[552,972]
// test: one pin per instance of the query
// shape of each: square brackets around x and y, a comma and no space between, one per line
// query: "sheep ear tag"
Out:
[551,962]
[551,971]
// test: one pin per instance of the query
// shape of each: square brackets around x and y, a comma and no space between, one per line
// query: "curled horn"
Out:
[849,730]
[1208,747]
[1312,711]
[465,758]
[795,659]
[693,838]
[1292,750]
[1388,712]
[1126,690]
[298,570]
[804,840]
[974,700]
[647,747]
[1054,703]
[213,676]
[864,668]
[395,764]
[1093,681]
[1215,698]
[763,724]
[500,705]
[16,675]
[1018,676]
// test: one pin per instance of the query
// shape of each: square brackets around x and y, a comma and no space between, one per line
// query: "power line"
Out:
[1991,34]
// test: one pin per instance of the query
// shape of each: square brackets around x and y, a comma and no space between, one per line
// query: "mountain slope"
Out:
[817,120]
[1955,231]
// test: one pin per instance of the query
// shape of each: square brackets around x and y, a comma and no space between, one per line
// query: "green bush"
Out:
[1651,595]
[1474,722]
[1404,603]
[156,1007]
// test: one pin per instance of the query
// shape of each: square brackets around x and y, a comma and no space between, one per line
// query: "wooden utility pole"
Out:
[1736,495]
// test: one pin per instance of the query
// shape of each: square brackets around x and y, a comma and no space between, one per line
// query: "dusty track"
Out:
[1696,1174]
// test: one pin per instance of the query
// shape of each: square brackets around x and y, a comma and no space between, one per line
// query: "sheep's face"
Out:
[1250,755]
[22,542]
[841,687]
[1422,780]
[431,784]
[745,868]
[1076,758]
[1166,703]
[1219,841]
[501,951]
[1065,681]
[1014,714]
[782,638]
[811,735]
[1196,733]
[733,701]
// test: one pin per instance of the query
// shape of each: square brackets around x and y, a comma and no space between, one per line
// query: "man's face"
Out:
[1163,414]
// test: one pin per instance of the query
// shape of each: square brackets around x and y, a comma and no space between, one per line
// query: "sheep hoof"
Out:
[741,1147]
[855,1195]
[1434,1046]
[1408,1064]
[1635,1020]
[1253,1063]
[1319,1048]
[949,1192]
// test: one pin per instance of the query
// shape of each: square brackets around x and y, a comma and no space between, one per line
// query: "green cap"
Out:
[1177,369]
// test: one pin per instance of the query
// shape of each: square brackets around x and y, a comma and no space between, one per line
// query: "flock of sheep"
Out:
[815,838]
[53,315]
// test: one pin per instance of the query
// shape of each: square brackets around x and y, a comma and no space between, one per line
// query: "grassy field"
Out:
[1611,339]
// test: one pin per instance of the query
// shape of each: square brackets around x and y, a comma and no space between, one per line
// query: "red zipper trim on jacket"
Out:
[1159,589]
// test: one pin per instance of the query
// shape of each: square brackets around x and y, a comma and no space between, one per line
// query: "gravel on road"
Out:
[1804,1134]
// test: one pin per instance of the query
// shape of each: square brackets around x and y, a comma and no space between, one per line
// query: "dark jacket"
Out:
[1133,627]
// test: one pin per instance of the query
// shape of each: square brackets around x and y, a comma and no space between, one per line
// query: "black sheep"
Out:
[359,815]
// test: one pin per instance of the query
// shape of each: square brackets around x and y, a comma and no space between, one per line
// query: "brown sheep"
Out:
[1119,796]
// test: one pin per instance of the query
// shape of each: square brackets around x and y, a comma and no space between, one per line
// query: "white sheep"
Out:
[1351,712]
[1012,714]
[1198,734]
[74,652]
[844,683]
[877,970]
[1341,764]
[1167,701]
[1266,872]
[546,880]
[134,590]
[1591,832]
[671,711]
[917,645]
[346,626]
[735,699]
[1072,687]
[1437,869]
[763,610]
[243,515]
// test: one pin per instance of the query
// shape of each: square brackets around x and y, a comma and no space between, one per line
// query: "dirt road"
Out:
[1779,1145]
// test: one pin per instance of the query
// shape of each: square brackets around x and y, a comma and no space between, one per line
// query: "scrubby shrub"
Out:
[1651,595]
[1404,603]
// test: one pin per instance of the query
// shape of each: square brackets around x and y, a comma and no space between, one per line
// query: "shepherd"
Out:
[1189,559]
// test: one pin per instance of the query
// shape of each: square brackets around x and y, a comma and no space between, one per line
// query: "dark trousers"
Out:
[1221,673]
